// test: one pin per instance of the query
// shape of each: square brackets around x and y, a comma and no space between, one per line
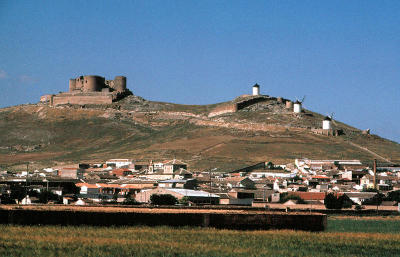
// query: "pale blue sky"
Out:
[343,55]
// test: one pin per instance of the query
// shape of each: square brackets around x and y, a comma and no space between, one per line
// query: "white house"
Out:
[119,162]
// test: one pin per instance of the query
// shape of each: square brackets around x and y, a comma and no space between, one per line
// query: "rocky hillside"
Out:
[140,129]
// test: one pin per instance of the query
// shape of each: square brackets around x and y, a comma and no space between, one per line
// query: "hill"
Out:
[227,135]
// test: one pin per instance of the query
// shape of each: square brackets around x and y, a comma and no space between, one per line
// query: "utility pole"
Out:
[375,174]
[209,193]
[26,179]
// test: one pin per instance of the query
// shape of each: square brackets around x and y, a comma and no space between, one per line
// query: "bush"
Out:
[45,196]
[376,200]
[18,192]
[163,199]
[345,201]
[129,200]
[394,196]
[359,207]
[184,200]
[286,197]
[331,201]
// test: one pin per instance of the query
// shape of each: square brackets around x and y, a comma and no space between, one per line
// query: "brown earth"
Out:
[144,130]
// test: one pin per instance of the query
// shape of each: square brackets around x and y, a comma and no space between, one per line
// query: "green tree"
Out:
[163,199]
[331,201]
[394,196]
[184,200]
[284,197]
[46,196]
[345,201]
[129,200]
[18,193]
[375,200]
[116,193]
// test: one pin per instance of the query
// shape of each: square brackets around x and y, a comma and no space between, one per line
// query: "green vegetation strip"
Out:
[166,241]
[364,225]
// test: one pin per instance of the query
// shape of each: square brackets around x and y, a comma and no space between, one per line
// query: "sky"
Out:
[344,56]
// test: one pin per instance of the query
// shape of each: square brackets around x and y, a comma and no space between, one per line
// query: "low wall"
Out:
[222,109]
[158,217]
[326,132]
[252,101]
[98,99]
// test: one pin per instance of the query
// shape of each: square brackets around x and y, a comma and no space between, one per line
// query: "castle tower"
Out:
[120,83]
[256,89]
[72,85]
[93,83]
[289,104]
[297,107]
[326,123]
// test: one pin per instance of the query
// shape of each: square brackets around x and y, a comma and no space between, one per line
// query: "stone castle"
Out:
[90,89]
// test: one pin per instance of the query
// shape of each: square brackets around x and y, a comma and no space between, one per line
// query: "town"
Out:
[302,184]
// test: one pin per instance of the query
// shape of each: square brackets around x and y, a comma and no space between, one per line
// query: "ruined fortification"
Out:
[91,89]
[240,103]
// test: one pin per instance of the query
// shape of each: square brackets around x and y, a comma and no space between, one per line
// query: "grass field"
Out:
[362,237]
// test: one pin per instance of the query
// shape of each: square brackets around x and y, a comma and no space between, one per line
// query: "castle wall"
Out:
[45,98]
[246,103]
[90,89]
[82,99]
[223,109]
[229,108]
[72,85]
[79,83]
[119,83]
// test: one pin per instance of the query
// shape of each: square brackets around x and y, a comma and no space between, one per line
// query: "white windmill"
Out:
[327,122]
[256,89]
[297,105]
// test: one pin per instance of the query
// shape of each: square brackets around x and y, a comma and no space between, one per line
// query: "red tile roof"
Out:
[320,177]
[310,195]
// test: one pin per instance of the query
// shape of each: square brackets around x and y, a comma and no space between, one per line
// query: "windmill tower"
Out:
[297,106]
[327,123]
[256,89]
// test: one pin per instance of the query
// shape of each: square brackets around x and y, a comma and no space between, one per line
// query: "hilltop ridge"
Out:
[226,135]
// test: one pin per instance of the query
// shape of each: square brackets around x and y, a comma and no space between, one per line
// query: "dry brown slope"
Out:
[148,131]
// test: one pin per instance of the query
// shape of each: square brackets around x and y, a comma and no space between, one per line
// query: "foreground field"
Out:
[381,240]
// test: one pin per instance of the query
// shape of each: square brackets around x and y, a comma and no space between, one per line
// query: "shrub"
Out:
[18,193]
[184,200]
[345,201]
[286,197]
[359,207]
[129,200]
[163,199]
[331,201]
[394,196]
[45,196]
[376,200]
